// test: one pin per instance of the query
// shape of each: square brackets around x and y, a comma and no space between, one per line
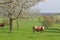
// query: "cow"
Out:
[1,24]
[38,28]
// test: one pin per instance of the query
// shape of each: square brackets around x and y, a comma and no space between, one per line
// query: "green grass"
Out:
[25,32]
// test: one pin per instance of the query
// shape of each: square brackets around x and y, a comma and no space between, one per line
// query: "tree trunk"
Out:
[17,24]
[11,22]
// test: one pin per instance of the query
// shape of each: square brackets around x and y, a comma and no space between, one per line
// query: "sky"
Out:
[50,6]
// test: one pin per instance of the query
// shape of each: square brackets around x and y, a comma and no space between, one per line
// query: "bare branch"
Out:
[21,9]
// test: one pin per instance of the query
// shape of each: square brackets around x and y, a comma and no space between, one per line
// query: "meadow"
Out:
[25,32]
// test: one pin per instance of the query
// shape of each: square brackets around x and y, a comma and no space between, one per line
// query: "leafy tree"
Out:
[14,8]
[48,21]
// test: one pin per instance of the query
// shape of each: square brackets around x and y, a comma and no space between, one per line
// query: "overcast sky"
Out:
[50,6]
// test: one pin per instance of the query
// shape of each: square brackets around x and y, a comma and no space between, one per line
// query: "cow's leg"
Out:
[41,30]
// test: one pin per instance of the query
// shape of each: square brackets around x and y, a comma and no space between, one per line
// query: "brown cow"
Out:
[38,28]
[1,24]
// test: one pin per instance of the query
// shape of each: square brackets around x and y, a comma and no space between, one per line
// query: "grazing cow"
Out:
[1,24]
[38,28]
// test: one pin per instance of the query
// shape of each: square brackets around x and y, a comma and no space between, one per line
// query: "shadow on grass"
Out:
[7,30]
[54,35]
[3,30]
[53,30]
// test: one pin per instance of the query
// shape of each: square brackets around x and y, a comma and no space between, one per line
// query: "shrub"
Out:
[48,21]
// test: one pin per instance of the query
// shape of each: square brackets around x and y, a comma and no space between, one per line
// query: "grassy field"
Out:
[25,32]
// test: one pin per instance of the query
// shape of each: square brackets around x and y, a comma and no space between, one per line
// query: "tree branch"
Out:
[6,2]
[21,9]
